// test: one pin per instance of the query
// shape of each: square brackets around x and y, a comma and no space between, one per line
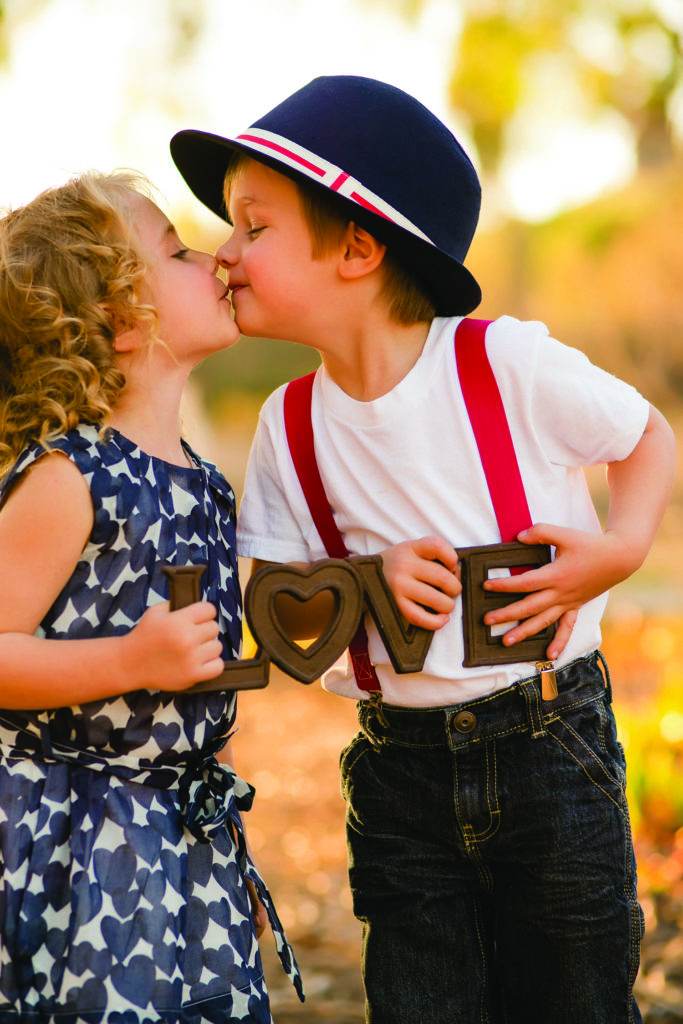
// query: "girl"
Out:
[126,887]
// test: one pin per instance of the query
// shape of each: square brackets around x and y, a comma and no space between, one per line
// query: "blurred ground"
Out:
[288,747]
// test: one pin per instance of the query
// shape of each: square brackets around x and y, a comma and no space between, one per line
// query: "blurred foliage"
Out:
[646,660]
[188,20]
[13,14]
[645,654]
[606,278]
[621,56]
[186,23]
[257,365]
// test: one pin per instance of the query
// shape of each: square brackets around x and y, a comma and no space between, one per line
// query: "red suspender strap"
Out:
[491,431]
[299,429]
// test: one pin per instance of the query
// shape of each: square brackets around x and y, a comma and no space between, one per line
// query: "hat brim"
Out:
[203,159]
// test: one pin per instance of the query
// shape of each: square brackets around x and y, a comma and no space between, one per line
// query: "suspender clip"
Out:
[548,675]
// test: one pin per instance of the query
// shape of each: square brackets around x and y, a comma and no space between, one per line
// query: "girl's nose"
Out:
[212,263]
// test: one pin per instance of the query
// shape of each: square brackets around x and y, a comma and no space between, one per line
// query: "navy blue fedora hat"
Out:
[395,168]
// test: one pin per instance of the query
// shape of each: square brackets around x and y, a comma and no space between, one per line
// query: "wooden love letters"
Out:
[357,584]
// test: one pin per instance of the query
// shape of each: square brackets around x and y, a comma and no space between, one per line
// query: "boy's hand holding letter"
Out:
[585,565]
[424,577]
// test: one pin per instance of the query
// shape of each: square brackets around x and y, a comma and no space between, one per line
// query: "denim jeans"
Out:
[491,860]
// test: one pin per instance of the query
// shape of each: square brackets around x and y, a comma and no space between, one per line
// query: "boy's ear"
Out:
[361,253]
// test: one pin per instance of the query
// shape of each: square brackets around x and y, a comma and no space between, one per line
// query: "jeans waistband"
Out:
[517,708]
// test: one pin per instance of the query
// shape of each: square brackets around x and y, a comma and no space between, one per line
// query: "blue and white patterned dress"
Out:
[122,858]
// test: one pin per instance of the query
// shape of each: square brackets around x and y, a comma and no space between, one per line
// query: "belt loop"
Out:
[372,718]
[531,690]
[602,661]
[375,702]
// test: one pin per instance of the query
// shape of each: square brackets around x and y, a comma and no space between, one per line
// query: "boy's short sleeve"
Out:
[267,524]
[580,414]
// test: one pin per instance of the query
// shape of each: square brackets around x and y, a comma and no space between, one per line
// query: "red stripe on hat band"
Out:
[368,206]
[336,185]
[328,174]
[285,152]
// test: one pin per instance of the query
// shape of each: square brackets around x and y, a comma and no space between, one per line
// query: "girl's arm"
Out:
[45,524]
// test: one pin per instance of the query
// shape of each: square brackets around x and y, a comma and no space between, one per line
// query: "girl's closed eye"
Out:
[255,231]
[180,254]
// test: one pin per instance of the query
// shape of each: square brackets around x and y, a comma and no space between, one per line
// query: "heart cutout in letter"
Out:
[304,664]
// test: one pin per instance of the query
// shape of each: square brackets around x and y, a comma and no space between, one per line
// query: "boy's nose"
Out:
[226,255]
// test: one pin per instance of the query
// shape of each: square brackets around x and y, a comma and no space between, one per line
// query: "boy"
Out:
[490,853]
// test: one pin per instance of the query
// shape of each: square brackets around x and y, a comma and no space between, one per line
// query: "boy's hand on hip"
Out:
[424,577]
[585,565]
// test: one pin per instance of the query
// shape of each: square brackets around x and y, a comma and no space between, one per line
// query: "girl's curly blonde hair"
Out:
[70,280]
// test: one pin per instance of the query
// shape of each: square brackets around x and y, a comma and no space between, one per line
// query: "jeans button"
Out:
[464,721]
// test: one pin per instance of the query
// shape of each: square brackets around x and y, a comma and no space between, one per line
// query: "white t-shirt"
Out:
[406,465]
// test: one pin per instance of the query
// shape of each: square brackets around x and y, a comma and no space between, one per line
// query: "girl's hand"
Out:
[258,911]
[173,650]
[424,577]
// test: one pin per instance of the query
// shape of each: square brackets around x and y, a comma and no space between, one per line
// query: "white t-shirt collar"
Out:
[410,389]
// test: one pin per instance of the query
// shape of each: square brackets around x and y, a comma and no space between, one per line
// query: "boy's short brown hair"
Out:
[407,302]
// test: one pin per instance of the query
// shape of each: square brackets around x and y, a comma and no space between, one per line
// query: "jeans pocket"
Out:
[587,736]
[351,753]
[611,746]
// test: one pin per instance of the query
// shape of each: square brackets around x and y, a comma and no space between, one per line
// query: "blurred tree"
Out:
[3,33]
[188,20]
[624,55]
[9,18]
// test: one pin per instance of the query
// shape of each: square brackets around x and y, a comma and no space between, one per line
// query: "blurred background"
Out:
[573,113]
